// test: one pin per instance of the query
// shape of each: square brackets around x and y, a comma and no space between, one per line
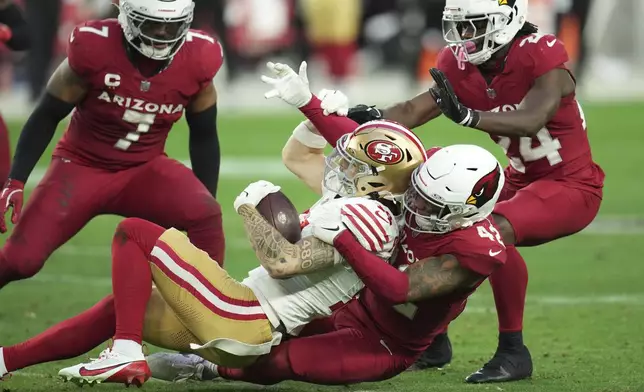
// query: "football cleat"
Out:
[504,366]
[111,367]
[437,355]
[178,367]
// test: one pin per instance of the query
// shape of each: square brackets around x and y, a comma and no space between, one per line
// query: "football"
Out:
[278,210]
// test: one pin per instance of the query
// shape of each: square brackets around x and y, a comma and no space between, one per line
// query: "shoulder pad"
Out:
[88,45]
[371,223]
[478,248]
[542,52]
[209,53]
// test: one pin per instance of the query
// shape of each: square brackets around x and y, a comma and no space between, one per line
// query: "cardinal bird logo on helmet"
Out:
[485,188]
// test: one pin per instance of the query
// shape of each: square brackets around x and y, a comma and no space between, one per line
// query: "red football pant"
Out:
[133,241]
[5,152]
[547,210]
[346,353]
[162,191]
[541,212]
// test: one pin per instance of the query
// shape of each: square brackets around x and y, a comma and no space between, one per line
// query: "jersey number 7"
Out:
[143,122]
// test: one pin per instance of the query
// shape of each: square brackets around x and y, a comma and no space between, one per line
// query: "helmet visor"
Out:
[426,214]
[343,170]
[467,33]
[160,33]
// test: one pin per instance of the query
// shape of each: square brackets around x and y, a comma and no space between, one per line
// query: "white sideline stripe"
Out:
[231,168]
[273,169]
[192,280]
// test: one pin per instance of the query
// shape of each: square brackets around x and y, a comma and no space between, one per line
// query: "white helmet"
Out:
[476,29]
[456,187]
[156,28]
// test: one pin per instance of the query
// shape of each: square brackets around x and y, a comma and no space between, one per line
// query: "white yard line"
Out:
[231,168]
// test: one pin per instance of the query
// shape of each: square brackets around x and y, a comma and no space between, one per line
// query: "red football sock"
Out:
[5,152]
[331,127]
[131,275]
[68,339]
[509,284]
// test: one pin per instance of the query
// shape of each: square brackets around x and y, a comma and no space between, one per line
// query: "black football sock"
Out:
[510,341]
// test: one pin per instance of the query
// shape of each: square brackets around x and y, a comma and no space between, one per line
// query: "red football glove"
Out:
[5,33]
[11,196]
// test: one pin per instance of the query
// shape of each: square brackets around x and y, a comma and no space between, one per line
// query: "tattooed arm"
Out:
[278,256]
[436,276]
[427,278]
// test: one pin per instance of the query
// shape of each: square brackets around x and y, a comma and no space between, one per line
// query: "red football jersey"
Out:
[414,325]
[560,150]
[125,118]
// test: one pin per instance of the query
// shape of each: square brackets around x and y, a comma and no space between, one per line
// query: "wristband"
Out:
[303,134]
[472,119]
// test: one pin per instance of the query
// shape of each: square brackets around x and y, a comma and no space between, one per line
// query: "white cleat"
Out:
[109,367]
[177,367]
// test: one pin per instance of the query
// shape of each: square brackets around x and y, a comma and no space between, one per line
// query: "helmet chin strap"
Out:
[153,53]
[480,58]
[483,57]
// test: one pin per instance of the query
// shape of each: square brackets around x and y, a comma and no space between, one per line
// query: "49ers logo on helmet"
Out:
[384,151]
[485,188]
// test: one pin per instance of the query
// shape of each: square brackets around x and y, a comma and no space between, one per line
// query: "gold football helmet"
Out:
[377,159]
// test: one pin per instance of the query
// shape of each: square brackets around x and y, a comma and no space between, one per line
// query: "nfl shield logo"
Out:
[145,85]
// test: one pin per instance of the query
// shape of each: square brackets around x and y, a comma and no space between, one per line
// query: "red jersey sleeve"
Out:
[84,52]
[210,56]
[545,52]
[482,264]
[331,127]
[476,251]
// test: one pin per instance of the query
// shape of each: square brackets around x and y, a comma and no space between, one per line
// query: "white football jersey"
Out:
[294,302]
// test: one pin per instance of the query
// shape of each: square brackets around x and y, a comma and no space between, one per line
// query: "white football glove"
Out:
[327,233]
[254,193]
[334,102]
[287,85]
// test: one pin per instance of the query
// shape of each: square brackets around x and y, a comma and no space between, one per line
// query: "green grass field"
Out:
[585,308]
